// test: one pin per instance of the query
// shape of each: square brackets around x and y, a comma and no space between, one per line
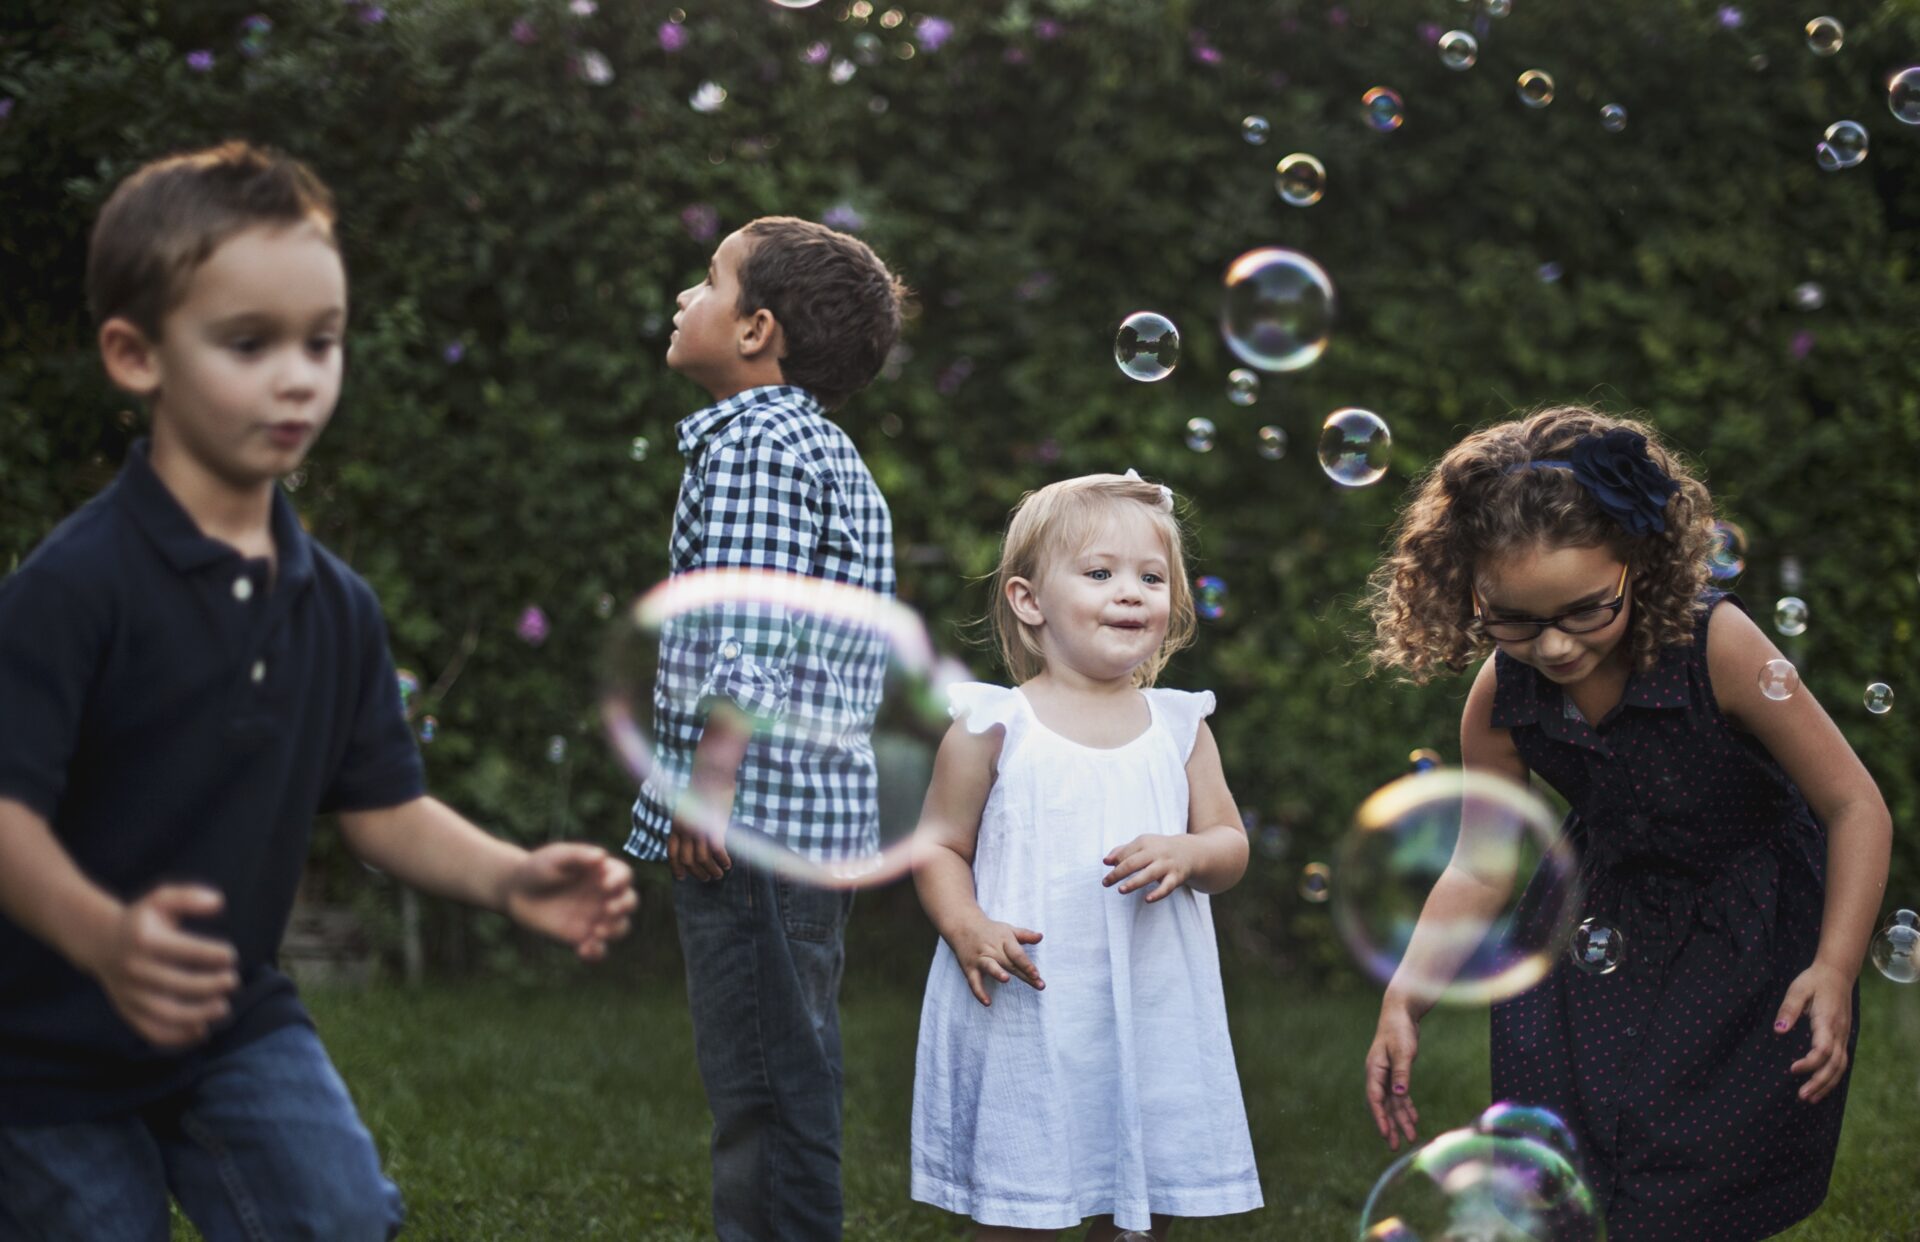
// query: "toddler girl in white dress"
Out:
[1073,1058]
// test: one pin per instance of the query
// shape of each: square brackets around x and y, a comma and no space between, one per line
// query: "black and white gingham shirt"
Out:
[771,483]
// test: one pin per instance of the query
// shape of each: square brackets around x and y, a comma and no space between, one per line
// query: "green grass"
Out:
[575,1113]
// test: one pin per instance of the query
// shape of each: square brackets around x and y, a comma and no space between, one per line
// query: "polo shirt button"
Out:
[730,650]
[243,589]
[259,671]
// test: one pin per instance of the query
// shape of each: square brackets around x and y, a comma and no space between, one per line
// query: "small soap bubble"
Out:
[1425,759]
[1530,1121]
[1243,386]
[1470,1186]
[1200,434]
[1255,130]
[841,71]
[1316,882]
[1844,146]
[639,448]
[1277,310]
[603,607]
[1300,180]
[1879,698]
[1273,442]
[1809,296]
[1825,36]
[1790,616]
[1383,109]
[1597,948]
[429,729]
[1903,96]
[409,690]
[1779,679]
[1613,118]
[1498,8]
[1549,273]
[1535,88]
[556,749]
[1896,949]
[1147,347]
[1726,551]
[1210,597]
[1458,49]
[707,98]
[1354,447]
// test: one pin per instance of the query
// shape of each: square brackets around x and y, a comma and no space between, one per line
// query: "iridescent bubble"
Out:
[1383,109]
[1809,296]
[1726,551]
[668,650]
[1896,949]
[1466,1186]
[1879,698]
[1790,616]
[1825,36]
[1779,679]
[409,683]
[1903,96]
[1255,130]
[1425,759]
[603,607]
[1243,386]
[1316,882]
[1613,118]
[1535,88]
[708,97]
[1272,441]
[1277,310]
[1300,180]
[1597,948]
[1844,146]
[1354,447]
[1498,8]
[1442,829]
[1530,1121]
[1210,597]
[1200,434]
[796,4]
[1458,49]
[556,749]
[639,449]
[1549,273]
[841,71]
[429,729]
[1147,347]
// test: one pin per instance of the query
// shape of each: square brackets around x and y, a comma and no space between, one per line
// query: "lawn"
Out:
[575,1113]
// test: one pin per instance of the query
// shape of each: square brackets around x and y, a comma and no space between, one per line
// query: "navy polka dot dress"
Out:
[1700,850]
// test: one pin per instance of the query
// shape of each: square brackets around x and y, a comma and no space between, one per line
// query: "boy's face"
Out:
[249,363]
[708,325]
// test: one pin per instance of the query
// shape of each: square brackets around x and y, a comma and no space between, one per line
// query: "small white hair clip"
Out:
[1166,493]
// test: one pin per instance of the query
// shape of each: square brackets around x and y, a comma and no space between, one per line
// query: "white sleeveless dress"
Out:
[1114,1090]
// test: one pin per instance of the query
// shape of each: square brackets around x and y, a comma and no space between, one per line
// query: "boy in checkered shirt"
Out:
[791,319]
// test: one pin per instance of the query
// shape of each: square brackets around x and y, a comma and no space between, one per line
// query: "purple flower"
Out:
[1014,55]
[373,15]
[523,32]
[1049,451]
[532,627]
[454,352]
[845,217]
[200,61]
[1730,17]
[816,53]
[1046,30]
[1206,54]
[1629,485]
[6,108]
[584,8]
[932,32]
[1802,344]
[955,375]
[1337,16]
[1033,286]
[1430,32]
[673,36]
[701,222]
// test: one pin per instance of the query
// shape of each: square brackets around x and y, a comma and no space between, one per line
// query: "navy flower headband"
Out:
[1614,466]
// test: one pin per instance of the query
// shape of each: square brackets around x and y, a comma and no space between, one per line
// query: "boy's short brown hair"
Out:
[167,218]
[837,304]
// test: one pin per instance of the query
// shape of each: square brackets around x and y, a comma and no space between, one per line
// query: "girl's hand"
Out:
[1145,860]
[985,947]
[1396,1041]
[1825,995]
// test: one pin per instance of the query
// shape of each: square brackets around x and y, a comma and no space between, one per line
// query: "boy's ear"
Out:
[1020,598]
[759,333]
[131,361]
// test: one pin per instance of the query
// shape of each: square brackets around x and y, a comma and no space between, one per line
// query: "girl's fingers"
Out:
[1166,885]
[1024,936]
[974,985]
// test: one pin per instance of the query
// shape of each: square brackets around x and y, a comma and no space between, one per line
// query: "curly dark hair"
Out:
[835,301]
[1472,504]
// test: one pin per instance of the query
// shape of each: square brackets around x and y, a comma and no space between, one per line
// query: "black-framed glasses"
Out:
[1579,621]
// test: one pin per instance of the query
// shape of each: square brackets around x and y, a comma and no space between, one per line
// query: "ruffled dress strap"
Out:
[983,705]
[1182,711]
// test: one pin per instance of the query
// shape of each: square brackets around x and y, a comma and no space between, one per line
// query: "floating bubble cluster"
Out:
[1896,949]
[1790,616]
[1383,109]
[1277,310]
[1458,49]
[1355,447]
[1200,434]
[1255,130]
[1825,36]
[1300,180]
[1903,96]
[1243,386]
[1535,88]
[1727,551]
[1210,597]
[1843,146]
[1779,679]
[1272,442]
[1147,347]
[1879,698]
[1597,948]
[1466,828]
[1473,1186]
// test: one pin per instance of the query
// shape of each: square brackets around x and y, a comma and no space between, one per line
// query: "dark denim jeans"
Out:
[265,1147]
[764,957]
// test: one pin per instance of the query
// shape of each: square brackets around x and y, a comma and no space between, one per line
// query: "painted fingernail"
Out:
[1780,1025]
[1399,1089]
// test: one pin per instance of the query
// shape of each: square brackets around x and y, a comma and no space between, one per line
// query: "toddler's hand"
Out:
[985,947]
[169,984]
[1396,1041]
[1825,996]
[1149,859]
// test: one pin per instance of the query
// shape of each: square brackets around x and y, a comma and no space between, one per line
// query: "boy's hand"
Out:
[1396,1041]
[985,947]
[1167,860]
[578,894]
[1825,995]
[169,984]
[694,852]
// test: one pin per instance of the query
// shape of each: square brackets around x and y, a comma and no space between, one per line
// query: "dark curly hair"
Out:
[1472,504]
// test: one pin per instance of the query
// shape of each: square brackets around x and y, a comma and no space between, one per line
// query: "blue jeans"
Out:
[266,1145]
[764,957]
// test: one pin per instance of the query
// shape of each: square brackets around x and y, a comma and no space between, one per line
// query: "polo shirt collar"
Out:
[167,524]
[697,428]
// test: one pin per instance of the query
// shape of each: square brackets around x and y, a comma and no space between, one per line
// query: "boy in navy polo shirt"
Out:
[187,678]
[791,320]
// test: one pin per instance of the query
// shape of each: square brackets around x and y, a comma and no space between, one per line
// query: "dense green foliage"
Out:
[1042,172]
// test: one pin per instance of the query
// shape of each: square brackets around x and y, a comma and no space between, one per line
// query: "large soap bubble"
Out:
[1510,877]
[1469,1186]
[1277,312]
[829,682]
[1903,96]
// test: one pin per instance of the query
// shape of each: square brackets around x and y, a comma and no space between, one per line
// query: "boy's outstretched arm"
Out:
[575,893]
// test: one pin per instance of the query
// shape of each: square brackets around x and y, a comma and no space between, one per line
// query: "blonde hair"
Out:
[1479,501]
[1063,517]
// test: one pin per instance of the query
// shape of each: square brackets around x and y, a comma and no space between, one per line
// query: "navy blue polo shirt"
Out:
[178,713]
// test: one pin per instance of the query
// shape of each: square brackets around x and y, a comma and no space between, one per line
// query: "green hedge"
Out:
[1040,173]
